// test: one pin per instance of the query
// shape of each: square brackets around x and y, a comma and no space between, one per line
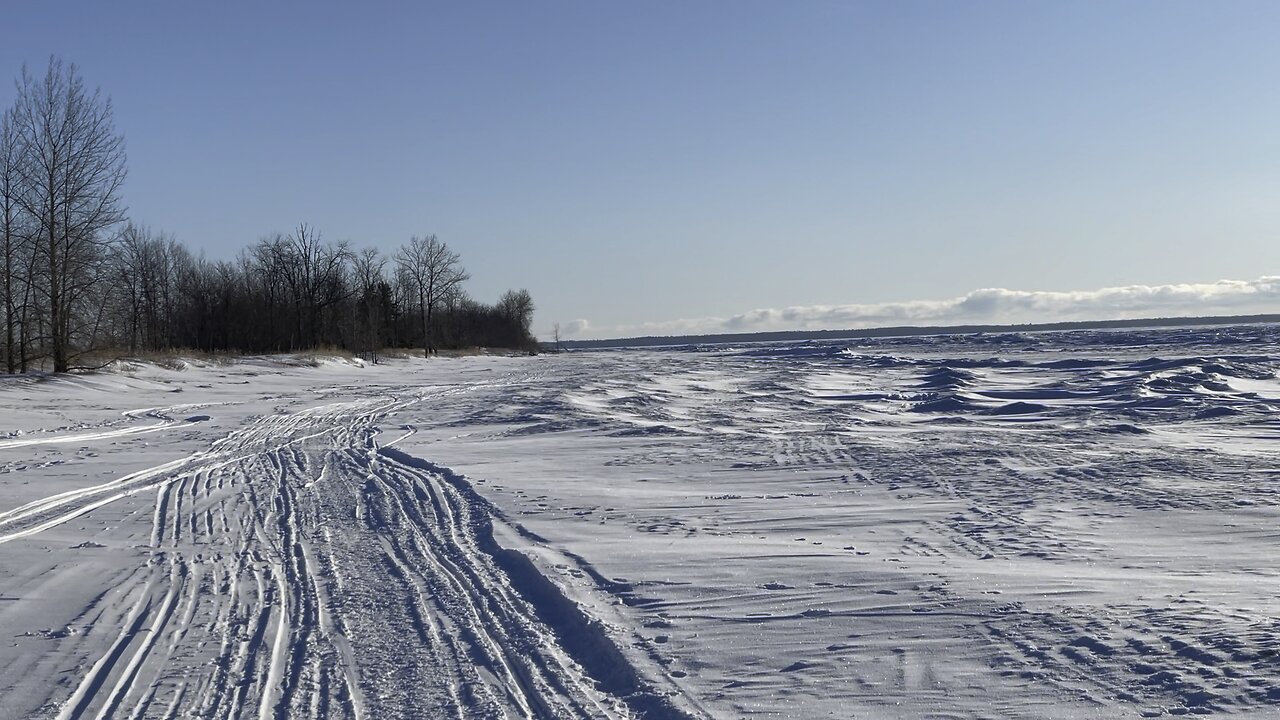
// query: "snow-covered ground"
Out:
[1050,525]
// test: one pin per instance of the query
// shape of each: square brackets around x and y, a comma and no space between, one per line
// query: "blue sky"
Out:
[696,166]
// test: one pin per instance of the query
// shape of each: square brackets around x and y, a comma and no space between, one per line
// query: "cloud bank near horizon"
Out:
[982,306]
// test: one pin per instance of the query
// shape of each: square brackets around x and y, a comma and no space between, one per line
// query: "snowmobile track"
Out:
[297,569]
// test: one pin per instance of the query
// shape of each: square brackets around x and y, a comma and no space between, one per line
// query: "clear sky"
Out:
[700,166]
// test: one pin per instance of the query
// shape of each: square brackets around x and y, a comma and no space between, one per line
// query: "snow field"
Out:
[293,568]
[1049,525]
[1062,525]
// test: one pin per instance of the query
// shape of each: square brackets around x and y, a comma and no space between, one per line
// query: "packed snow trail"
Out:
[295,569]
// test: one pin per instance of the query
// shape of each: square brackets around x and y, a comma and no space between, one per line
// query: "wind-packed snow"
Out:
[1018,525]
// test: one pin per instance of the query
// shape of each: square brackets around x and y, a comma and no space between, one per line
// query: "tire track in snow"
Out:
[292,565]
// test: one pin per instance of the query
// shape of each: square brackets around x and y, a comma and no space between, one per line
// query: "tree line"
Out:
[78,277]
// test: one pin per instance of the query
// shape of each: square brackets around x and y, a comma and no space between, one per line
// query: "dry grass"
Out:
[404,353]
[175,359]
[325,351]
[178,358]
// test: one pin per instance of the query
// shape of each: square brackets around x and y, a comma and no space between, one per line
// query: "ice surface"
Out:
[1020,525]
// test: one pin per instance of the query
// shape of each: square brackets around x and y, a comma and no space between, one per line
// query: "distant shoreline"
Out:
[907,331]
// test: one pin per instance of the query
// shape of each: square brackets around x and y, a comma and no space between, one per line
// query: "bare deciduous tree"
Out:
[517,307]
[315,274]
[13,244]
[433,271]
[145,273]
[373,298]
[71,168]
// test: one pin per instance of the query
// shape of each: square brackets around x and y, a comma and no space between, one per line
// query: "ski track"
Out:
[294,569]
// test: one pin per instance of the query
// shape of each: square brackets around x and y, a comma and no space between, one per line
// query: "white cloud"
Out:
[992,306]
[575,327]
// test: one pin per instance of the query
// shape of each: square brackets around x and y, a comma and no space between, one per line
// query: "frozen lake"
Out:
[1077,524]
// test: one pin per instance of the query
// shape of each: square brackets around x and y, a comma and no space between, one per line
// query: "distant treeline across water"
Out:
[901,331]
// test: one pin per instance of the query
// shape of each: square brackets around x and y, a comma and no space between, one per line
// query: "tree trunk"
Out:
[56,311]
[426,326]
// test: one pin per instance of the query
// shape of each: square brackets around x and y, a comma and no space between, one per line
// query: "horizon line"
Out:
[909,330]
